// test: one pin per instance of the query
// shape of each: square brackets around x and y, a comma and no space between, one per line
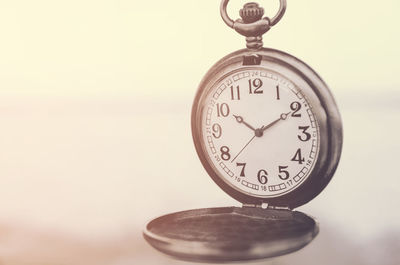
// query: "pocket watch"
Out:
[268,132]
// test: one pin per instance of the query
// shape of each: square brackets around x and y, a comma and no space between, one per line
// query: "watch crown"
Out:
[251,12]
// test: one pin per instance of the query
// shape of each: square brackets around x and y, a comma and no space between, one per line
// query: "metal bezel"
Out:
[324,108]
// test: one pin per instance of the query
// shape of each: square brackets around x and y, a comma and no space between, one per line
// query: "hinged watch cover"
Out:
[230,234]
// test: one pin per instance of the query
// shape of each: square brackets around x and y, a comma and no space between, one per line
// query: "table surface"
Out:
[81,176]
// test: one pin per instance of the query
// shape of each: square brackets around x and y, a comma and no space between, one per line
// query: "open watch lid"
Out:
[230,234]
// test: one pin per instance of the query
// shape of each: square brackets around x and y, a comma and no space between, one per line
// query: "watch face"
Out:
[259,132]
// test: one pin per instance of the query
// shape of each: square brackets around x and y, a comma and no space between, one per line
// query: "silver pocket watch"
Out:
[268,132]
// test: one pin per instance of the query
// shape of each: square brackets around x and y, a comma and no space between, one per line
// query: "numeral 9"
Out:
[217,130]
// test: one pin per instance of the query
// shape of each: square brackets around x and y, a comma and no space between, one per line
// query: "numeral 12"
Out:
[257,84]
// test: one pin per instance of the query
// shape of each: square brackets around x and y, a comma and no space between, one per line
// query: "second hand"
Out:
[252,138]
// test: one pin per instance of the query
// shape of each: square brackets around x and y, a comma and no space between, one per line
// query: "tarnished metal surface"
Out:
[230,234]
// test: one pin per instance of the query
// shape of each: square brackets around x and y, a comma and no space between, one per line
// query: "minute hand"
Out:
[282,117]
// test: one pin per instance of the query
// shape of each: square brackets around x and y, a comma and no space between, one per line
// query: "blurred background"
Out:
[95,101]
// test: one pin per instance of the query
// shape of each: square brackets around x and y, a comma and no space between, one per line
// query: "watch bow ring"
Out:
[252,23]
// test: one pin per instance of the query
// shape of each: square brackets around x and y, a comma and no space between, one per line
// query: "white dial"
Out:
[259,132]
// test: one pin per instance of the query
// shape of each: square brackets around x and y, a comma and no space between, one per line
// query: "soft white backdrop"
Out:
[95,101]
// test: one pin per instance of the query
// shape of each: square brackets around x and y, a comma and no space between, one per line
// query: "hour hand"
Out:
[240,119]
